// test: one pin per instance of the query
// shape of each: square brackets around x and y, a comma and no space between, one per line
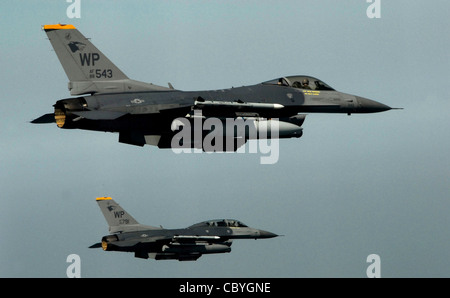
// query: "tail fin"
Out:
[88,69]
[81,60]
[117,218]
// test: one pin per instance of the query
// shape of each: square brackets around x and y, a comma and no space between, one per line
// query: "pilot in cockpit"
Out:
[305,84]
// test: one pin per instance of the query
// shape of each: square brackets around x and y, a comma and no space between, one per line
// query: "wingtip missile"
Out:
[237,104]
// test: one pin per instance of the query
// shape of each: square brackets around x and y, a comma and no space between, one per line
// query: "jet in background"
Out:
[186,244]
[144,113]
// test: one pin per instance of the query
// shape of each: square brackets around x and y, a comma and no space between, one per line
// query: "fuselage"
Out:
[154,111]
[194,235]
[144,113]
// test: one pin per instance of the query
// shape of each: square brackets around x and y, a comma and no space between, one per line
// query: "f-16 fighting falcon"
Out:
[144,113]
[188,244]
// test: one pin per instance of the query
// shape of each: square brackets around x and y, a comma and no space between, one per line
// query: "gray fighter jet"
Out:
[189,244]
[144,113]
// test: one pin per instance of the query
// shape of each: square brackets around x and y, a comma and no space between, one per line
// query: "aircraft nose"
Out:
[371,106]
[266,234]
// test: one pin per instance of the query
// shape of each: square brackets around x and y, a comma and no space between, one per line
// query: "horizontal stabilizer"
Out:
[47,118]
[96,245]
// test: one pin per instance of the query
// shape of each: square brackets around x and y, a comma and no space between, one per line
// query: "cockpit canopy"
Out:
[219,223]
[301,82]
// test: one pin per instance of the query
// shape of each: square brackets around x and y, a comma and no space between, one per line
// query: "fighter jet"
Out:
[188,244]
[144,113]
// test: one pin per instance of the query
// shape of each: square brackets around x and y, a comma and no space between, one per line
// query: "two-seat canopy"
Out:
[219,223]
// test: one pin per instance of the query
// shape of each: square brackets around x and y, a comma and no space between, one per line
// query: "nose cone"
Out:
[370,106]
[265,234]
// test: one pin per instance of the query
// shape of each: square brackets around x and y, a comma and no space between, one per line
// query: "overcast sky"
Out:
[350,187]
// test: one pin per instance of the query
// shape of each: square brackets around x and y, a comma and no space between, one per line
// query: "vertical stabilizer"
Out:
[117,218]
[88,69]
[81,60]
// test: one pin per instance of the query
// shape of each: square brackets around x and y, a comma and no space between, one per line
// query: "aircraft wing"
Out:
[169,246]
[162,240]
